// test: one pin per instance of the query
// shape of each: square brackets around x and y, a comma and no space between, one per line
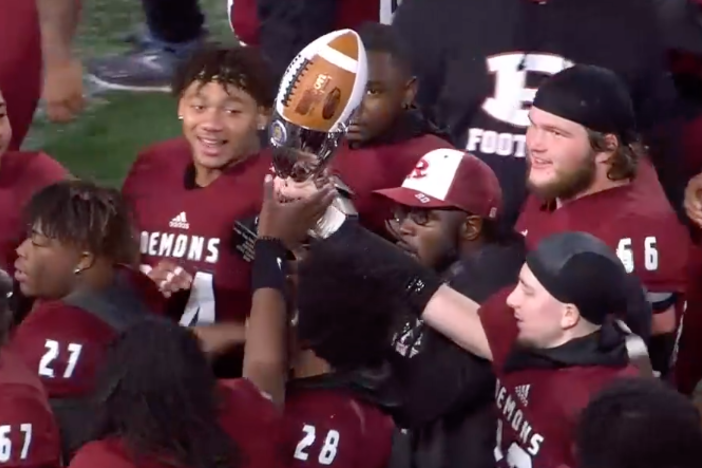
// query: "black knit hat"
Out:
[592,96]
[578,268]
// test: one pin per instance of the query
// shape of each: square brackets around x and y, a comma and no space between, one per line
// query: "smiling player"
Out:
[588,172]
[188,192]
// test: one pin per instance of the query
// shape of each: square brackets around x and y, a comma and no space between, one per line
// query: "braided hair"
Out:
[85,216]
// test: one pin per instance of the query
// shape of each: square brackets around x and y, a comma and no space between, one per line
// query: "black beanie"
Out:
[578,268]
[592,96]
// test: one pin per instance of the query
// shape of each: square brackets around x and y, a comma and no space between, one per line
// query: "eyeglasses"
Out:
[419,216]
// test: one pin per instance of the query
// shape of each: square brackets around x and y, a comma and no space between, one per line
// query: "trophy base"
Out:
[340,209]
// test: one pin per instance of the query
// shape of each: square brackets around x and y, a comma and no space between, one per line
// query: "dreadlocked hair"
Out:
[348,328]
[158,394]
[242,67]
[639,423]
[86,216]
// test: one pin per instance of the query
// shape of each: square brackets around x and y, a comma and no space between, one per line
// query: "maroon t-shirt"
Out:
[20,64]
[194,227]
[29,435]
[537,408]
[65,345]
[248,417]
[332,427]
[635,220]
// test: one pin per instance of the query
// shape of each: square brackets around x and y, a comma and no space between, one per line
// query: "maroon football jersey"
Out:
[378,167]
[248,417]
[29,435]
[194,227]
[254,422]
[20,64]
[635,220]
[330,427]
[537,408]
[21,175]
[64,345]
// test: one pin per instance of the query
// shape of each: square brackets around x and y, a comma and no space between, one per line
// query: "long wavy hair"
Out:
[158,396]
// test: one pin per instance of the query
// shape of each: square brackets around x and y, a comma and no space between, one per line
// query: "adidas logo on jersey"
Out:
[522,392]
[180,221]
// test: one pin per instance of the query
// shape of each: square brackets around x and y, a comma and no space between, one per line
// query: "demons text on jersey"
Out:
[180,246]
[509,406]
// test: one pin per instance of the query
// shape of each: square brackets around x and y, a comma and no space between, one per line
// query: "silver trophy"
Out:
[320,91]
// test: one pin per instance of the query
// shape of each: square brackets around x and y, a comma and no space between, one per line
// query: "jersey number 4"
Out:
[327,454]
[625,252]
[200,309]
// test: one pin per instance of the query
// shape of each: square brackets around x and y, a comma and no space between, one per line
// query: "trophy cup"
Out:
[320,91]
[318,95]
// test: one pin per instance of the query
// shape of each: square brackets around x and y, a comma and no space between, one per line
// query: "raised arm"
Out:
[63,85]
[375,259]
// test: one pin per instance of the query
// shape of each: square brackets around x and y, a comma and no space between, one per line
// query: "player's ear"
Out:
[611,142]
[181,109]
[411,88]
[471,227]
[86,261]
[263,117]
[571,316]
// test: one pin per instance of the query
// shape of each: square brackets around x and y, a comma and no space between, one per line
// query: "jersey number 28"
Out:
[327,453]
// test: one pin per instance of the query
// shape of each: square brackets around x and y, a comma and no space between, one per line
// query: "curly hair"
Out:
[625,158]
[348,328]
[639,423]
[242,67]
[158,394]
[87,216]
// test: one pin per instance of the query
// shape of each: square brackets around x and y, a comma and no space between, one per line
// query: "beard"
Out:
[567,185]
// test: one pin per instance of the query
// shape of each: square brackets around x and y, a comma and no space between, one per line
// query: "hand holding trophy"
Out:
[319,93]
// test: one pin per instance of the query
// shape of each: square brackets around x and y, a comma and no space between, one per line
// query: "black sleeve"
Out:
[681,22]
[427,47]
[286,27]
[658,108]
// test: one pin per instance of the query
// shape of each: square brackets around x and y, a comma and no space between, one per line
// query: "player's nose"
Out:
[214,122]
[22,248]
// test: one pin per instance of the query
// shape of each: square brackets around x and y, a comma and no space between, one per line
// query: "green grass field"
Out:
[102,143]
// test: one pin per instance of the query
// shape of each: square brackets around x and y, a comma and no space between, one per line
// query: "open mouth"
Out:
[539,162]
[20,275]
[211,146]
